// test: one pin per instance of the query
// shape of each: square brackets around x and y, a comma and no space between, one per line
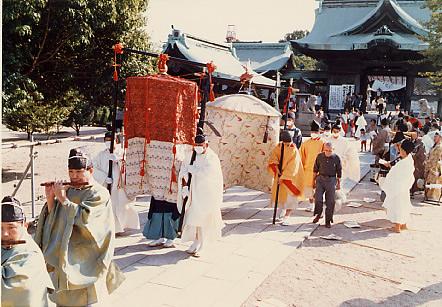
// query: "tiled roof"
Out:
[203,51]
[352,24]
[263,56]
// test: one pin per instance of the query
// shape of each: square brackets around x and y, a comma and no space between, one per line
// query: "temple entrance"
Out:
[391,88]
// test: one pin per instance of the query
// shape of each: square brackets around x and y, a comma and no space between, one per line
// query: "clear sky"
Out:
[266,20]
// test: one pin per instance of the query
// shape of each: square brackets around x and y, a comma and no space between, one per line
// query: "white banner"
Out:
[335,97]
[386,86]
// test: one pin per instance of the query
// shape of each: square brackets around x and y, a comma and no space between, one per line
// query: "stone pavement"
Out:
[228,271]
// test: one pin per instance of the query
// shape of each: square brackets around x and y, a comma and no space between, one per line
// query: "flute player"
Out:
[76,234]
[25,281]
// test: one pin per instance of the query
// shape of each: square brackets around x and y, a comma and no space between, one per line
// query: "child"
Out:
[364,137]
[372,131]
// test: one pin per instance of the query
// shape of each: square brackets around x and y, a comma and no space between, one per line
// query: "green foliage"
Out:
[300,61]
[82,113]
[101,116]
[295,35]
[434,52]
[53,50]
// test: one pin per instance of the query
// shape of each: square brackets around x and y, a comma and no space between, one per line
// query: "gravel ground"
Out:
[303,279]
[50,164]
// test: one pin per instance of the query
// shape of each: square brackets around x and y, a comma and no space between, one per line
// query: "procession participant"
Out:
[295,132]
[395,144]
[345,120]
[397,185]
[202,221]
[125,215]
[381,138]
[433,174]
[76,233]
[290,178]
[326,132]
[361,123]
[327,177]
[419,160]
[25,281]
[309,151]
[347,153]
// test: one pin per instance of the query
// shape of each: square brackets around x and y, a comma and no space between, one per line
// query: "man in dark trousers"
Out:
[327,173]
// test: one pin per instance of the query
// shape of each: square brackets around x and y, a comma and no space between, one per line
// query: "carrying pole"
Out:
[118,50]
[31,155]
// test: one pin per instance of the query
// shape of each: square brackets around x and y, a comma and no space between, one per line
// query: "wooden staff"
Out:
[360,271]
[376,248]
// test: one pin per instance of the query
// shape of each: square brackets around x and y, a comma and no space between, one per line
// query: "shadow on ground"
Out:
[426,295]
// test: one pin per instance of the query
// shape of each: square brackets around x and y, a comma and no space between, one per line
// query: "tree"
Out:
[295,35]
[300,61]
[81,114]
[434,52]
[63,46]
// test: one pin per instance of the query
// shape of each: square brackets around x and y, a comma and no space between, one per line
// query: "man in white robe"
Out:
[397,187]
[347,153]
[202,220]
[125,215]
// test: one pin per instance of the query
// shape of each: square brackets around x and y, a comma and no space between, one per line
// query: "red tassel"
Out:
[173,174]
[211,68]
[162,60]
[142,169]
[118,48]
[211,94]
[287,99]
[115,75]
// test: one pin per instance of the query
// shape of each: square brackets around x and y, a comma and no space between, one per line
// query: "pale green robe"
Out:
[77,240]
[25,280]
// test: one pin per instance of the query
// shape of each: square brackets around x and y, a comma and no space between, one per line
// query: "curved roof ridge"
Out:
[407,21]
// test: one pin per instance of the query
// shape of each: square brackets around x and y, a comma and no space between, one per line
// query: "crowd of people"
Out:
[70,258]
[426,153]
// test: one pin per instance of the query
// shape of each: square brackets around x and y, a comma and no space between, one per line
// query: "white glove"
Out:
[109,180]
[192,169]
[185,192]
[113,157]
[184,169]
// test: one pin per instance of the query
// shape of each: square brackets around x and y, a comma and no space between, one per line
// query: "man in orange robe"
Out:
[309,151]
[290,178]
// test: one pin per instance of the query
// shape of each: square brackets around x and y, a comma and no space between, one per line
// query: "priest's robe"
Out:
[433,172]
[125,215]
[397,186]
[77,239]
[203,207]
[25,281]
[309,151]
[292,174]
[349,158]
[362,124]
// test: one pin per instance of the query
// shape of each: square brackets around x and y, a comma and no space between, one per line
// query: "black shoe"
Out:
[327,225]
[316,219]
[372,180]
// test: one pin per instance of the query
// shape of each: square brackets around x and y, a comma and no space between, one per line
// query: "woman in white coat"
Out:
[397,187]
